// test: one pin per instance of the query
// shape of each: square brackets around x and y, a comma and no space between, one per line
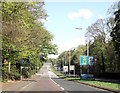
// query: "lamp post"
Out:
[87,42]
[87,48]
[87,45]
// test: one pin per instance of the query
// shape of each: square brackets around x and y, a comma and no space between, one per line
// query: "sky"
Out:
[65,17]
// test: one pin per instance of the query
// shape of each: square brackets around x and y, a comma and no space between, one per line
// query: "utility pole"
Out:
[87,42]
[69,63]
[9,63]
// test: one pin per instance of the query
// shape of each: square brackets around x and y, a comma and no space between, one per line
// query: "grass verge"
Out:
[109,85]
[57,73]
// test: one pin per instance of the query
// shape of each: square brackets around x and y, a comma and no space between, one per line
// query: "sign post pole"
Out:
[86,61]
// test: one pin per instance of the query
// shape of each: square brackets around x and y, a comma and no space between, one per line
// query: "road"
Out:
[45,81]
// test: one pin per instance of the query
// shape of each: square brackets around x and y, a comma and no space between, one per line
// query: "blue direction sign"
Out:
[84,60]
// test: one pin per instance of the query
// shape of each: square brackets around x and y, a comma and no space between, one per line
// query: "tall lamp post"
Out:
[87,42]
[87,45]
[87,48]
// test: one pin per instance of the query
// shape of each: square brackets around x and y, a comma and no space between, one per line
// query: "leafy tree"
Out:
[23,33]
[116,32]
[98,32]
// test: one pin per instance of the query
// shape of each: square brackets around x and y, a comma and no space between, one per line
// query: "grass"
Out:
[115,86]
[57,72]
[109,85]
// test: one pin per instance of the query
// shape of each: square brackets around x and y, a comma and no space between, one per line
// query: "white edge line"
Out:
[62,88]
[57,84]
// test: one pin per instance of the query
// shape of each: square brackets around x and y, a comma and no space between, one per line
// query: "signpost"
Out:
[72,67]
[21,72]
[85,61]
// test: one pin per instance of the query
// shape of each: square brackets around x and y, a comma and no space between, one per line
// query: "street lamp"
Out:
[87,45]
[87,42]
[78,28]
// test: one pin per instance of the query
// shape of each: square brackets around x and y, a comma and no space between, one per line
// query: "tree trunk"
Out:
[103,62]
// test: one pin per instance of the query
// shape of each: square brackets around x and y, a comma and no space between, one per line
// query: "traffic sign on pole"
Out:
[84,60]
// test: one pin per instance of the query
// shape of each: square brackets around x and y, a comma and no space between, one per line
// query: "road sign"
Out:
[65,68]
[91,61]
[84,60]
[72,67]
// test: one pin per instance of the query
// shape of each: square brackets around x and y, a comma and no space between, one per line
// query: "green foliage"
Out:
[116,32]
[23,34]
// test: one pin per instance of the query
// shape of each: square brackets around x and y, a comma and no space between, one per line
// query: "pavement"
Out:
[39,82]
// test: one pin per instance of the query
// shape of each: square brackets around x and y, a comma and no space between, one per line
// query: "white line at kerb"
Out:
[54,82]
[57,84]
[62,88]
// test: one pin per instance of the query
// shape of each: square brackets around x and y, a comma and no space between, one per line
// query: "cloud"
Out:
[70,44]
[82,13]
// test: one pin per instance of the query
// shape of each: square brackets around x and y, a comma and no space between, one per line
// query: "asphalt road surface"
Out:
[45,81]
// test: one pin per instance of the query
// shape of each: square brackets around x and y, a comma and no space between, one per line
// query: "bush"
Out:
[17,76]
[4,76]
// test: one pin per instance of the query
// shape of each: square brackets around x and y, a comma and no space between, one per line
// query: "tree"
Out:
[116,32]
[23,32]
[99,33]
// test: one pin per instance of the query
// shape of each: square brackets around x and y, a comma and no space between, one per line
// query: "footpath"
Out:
[8,86]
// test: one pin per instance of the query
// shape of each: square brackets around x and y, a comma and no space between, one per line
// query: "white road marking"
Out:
[57,84]
[25,86]
[51,74]
[62,88]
